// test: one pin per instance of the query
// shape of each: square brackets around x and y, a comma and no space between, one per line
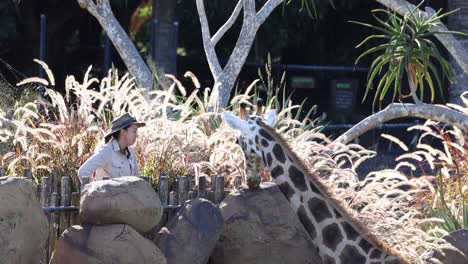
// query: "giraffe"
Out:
[253,164]
[339,237]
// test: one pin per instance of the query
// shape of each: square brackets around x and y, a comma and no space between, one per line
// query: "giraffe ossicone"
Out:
[339,237]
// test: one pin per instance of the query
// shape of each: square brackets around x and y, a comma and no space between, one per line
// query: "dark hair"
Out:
[115,135]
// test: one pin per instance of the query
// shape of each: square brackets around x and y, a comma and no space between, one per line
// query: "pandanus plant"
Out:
[407,48]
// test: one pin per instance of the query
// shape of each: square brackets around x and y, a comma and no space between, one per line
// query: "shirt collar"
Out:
[115,145]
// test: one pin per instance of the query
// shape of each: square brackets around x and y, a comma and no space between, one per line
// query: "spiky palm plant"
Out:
[408,48]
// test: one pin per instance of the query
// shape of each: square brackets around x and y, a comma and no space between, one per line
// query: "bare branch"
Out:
[89,5]
[403,7]
[393,111]
[213,61]
[266,10]
[239,54]
[222,30]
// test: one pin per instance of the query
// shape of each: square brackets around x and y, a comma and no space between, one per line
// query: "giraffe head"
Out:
[248,125]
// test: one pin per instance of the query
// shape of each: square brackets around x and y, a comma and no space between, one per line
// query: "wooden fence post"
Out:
[54,181]
[65,201]
[173,198]
[54,223]
[75,201]
[45,191]
[163,189]
[45,196]
[183,192]
[28,174]
[219,192]
[202,187]
[237,182]
[211,192]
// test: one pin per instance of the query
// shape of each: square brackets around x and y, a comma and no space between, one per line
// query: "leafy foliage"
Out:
[407,48]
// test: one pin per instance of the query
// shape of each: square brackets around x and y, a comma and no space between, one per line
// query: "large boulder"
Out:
[261,227]
[105,244]
[23,224]
[124,200]
[190,236]
[456,255]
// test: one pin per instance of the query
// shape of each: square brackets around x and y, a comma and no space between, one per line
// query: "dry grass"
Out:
[182,137]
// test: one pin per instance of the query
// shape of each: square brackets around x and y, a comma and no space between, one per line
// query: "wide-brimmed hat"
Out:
[123,121]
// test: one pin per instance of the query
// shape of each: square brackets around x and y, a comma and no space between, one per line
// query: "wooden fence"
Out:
[61,205]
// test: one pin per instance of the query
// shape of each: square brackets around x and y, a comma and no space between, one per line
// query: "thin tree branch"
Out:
[403,7]
[393,111]
[136,66]
[89,5]
[239,54]
[266,10]
[222,30]
[211,56]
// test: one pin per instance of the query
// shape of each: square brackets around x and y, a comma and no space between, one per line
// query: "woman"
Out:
[115,158]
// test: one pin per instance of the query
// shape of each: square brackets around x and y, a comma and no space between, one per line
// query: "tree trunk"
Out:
[165,39]
[459,22]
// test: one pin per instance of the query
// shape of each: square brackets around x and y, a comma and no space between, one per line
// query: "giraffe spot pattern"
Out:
[244,146]
[375,253]
[314,188]
[351,233]
[277,171]
[286,190]
[265,134]
[319,209]
[264,143]
[279,154]
[269,159]
[337,214]
[250,142]
[365,245]
[332,236]
[256,139]
[310,228]
[264,158]
[350,254]
[298,179]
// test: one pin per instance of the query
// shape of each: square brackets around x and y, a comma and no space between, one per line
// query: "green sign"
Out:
[344,85]
[302,82]
[343,93]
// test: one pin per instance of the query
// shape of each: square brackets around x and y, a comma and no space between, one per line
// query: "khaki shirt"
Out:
[110,161]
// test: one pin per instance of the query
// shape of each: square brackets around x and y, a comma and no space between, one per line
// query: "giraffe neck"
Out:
[339,237]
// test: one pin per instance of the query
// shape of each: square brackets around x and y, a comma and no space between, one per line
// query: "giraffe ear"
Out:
[234,122]
[270,117]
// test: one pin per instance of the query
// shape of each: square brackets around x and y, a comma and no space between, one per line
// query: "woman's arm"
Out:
[136,169]
[98,160]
